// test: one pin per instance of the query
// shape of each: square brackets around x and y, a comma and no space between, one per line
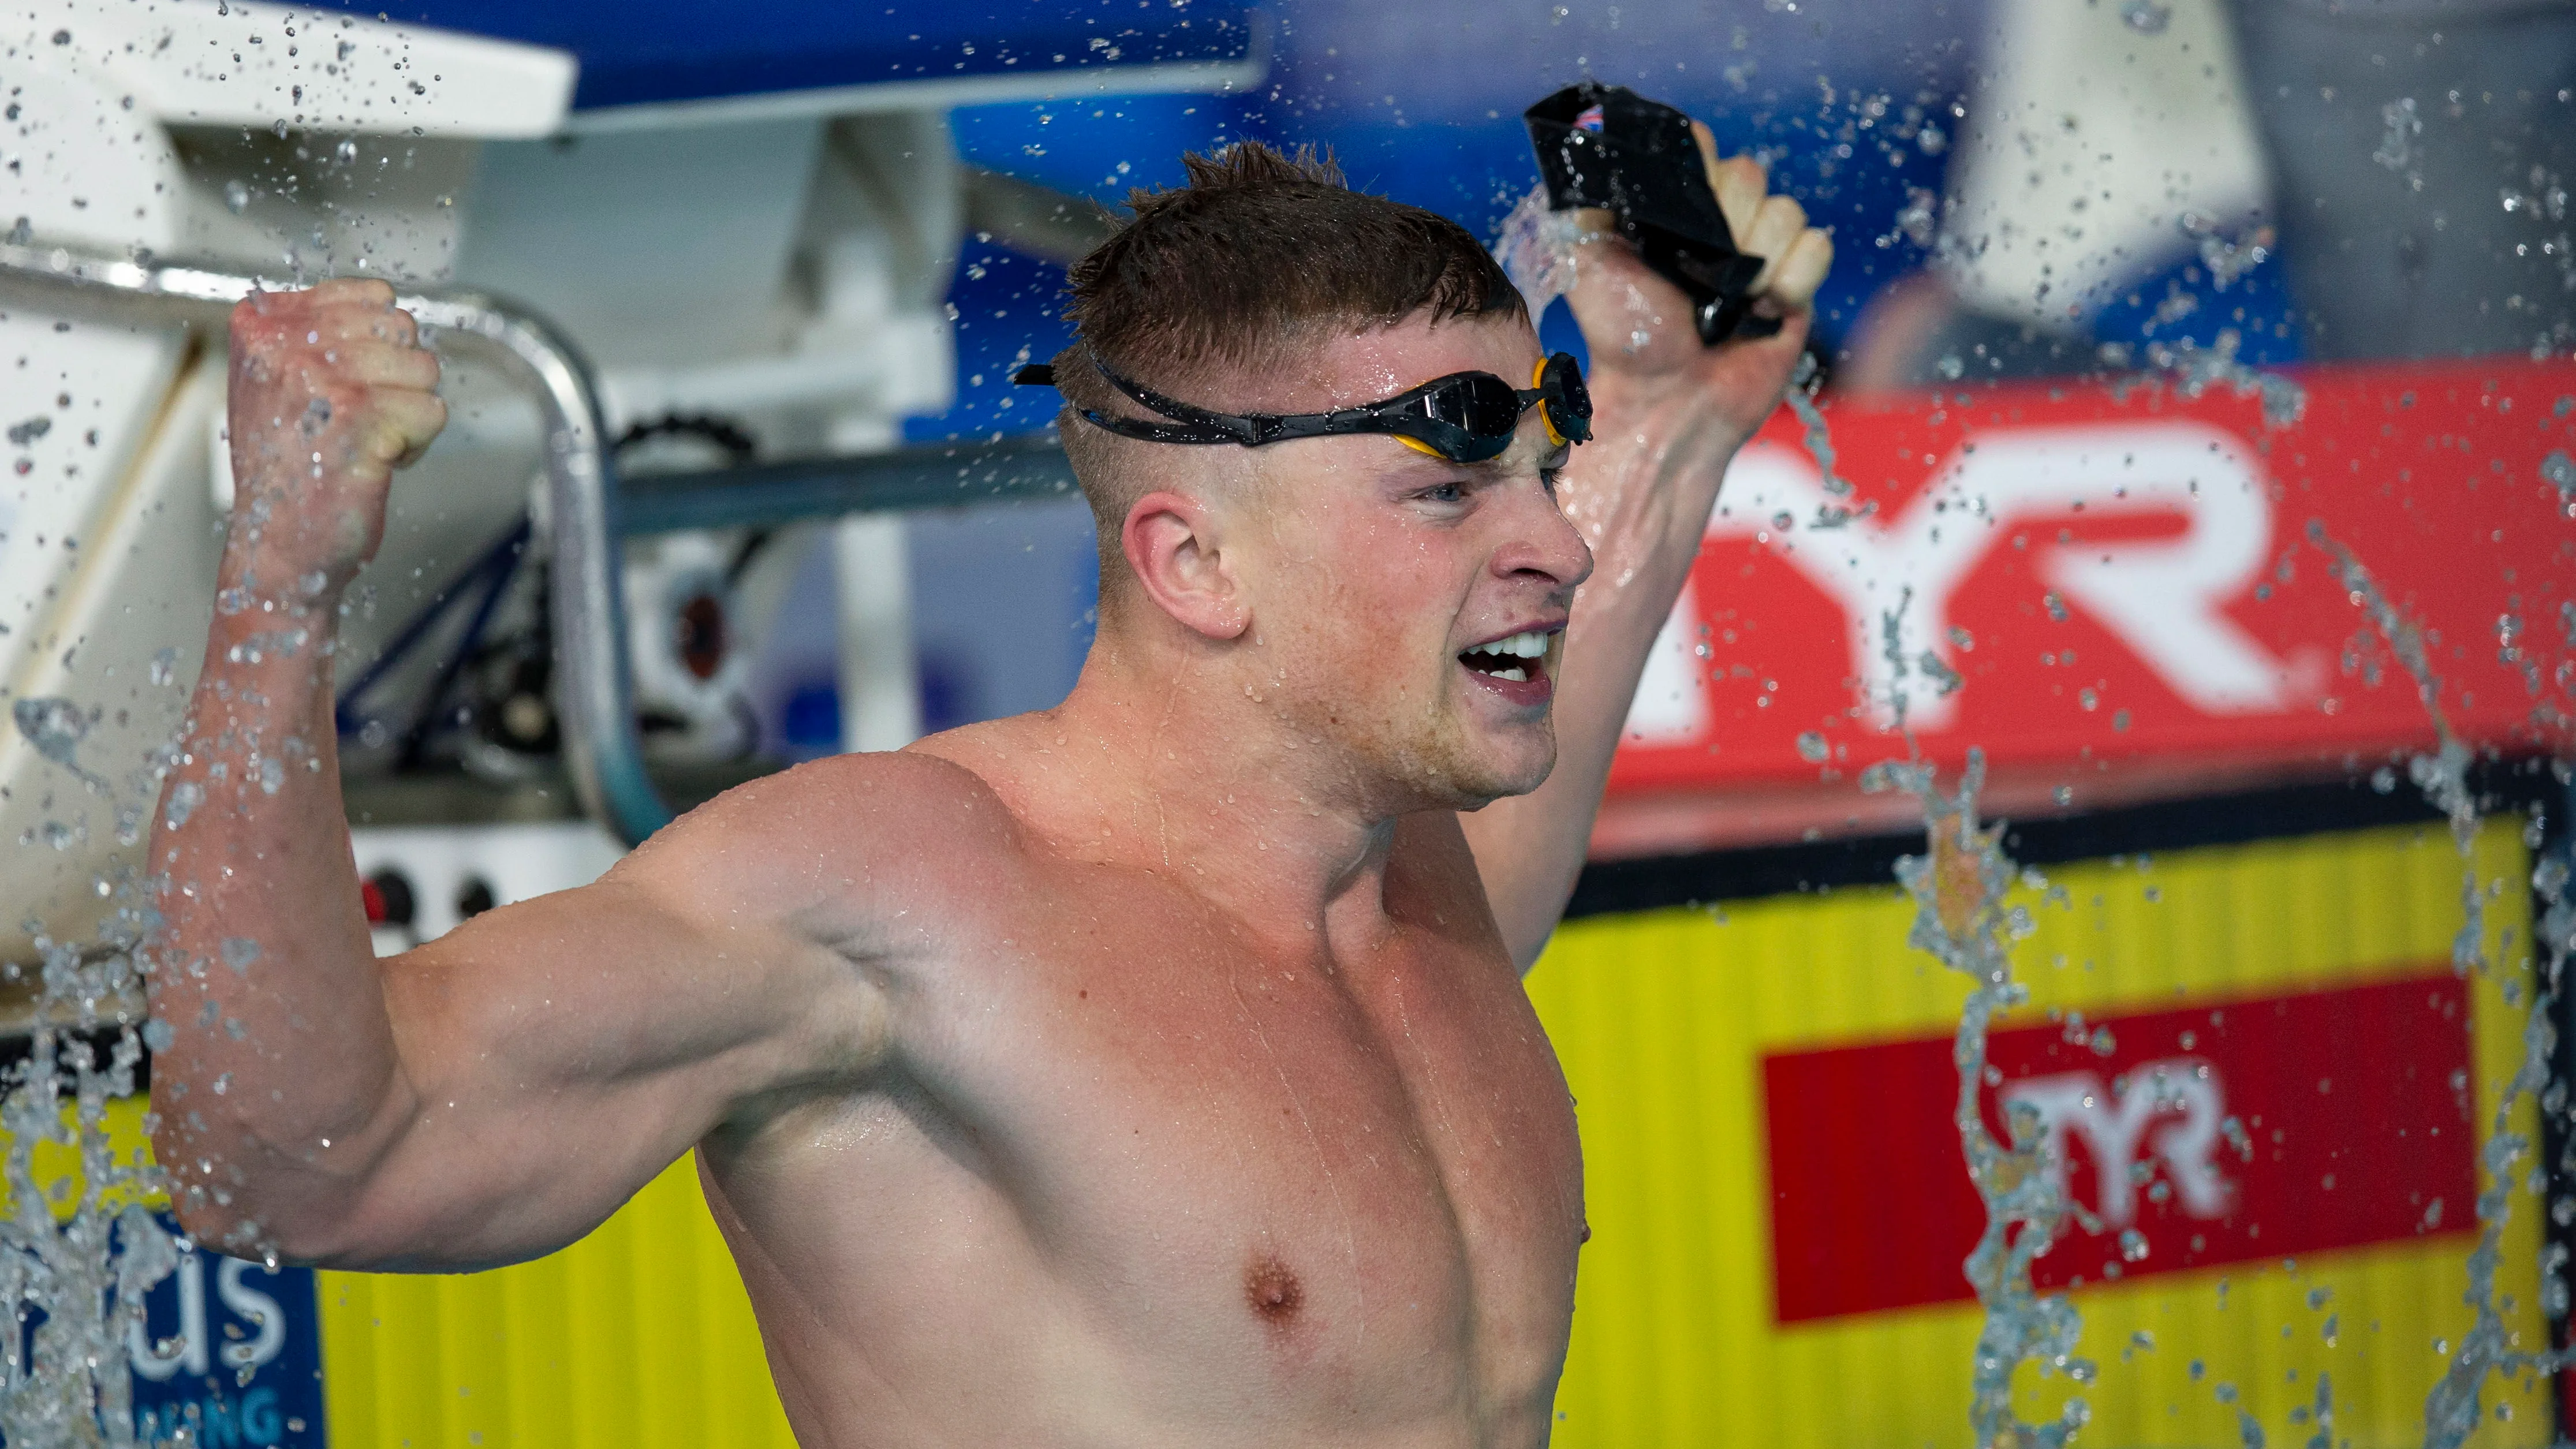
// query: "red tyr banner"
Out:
[2256,1128]
[2106,574]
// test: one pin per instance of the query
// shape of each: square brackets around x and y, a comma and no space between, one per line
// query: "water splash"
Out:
[2442,775]
[2225,258]
[1819,439]
[1958,885]
[2453,1408]
[67,1381]
[79,1246]
[1537,250]
[2195,368]
[56,726]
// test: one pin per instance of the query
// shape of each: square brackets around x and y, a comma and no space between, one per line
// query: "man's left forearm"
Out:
[1671,414]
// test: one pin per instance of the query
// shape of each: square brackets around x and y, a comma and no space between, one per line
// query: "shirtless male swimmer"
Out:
[1153,1070]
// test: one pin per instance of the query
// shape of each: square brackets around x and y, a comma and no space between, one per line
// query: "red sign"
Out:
[2109,573]
[2260,1129]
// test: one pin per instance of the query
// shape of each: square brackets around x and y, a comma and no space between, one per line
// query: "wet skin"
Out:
[1150,1070]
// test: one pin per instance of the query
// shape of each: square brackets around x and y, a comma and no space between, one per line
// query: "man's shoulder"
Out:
[880,814]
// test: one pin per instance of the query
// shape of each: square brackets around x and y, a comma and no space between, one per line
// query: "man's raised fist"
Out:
[331,392]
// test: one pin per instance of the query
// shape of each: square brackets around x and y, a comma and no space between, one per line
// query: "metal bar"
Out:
[501,560]
[769,494]
[602,750]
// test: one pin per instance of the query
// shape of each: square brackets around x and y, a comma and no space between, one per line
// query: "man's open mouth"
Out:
[1516,658]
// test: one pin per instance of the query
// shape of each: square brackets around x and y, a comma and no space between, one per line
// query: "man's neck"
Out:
[1170,764]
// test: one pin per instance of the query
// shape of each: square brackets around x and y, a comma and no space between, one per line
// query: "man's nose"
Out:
[1543,542]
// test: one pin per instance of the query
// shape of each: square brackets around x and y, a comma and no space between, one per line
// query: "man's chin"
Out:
[1465,765]
[1479,783]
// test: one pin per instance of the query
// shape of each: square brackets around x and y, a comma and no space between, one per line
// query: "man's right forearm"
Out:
[282,1057]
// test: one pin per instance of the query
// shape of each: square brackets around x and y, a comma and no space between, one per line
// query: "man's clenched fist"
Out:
[331,392]
[1639,326]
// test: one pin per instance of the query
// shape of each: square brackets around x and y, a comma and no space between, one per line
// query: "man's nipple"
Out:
[1272,1291]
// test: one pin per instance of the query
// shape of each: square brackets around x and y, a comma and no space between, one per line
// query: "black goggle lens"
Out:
[1481,404]
[1487,410]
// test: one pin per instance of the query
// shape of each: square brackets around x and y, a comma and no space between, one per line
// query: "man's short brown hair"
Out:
[1260,255]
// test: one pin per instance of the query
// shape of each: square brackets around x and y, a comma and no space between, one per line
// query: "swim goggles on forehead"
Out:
[1466,417]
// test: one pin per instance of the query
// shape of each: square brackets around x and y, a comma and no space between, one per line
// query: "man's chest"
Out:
[1315,1161]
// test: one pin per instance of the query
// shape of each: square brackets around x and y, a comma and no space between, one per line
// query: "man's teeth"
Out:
[1488,658]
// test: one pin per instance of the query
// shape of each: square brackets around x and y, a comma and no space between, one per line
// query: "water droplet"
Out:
[2560,469]
[2397,144]
[236,197]
[1813,747]
[2146,17]
[185,797]
[239,952]
[54,725]
[2133,1246]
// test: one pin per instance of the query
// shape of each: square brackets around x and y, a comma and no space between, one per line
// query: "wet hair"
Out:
[1261,255]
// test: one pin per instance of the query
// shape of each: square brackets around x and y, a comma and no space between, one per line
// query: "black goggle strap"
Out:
[1401,415]
[1408,415]
[1194,425]
[1199,425]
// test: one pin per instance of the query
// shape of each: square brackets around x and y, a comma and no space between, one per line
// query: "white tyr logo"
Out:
[2163,597]
[2185,1089]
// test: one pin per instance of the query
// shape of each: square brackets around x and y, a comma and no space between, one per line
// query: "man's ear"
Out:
[1170,540]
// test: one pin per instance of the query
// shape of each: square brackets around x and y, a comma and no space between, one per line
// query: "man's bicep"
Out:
[634,977]
[559,1053]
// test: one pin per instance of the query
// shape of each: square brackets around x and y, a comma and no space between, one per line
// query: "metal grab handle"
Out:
[594,688]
